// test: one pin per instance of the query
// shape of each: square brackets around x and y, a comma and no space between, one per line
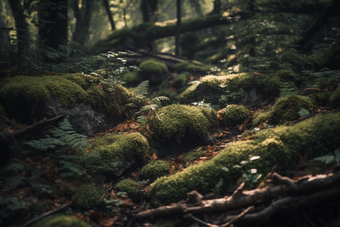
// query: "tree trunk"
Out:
[109,14]
[217,7]
[54,23]
[83,17]
[178,28]
[197,6]
[149,8]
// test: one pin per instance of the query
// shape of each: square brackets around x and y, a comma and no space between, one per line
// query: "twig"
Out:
[200,221]
[238,217]
[65,206]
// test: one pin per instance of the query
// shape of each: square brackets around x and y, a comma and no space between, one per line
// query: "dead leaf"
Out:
[126,200]
[113,195]
[172,168]
[87,220]
[154,156]
[80,215]
[106,222]
[95,214]
[203,158]
[73,184]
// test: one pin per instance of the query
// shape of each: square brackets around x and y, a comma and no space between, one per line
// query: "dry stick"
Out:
[238,216]
[46,214]
[200,221]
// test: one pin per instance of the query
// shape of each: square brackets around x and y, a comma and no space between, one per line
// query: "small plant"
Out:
[303,112]
[110,203]
[330,158]
[249,176]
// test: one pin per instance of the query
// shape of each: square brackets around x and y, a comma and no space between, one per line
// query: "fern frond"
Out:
[14,166]
[142,88]
[161,98]
[142,120]
[15,181]
[148,109]
[194,82]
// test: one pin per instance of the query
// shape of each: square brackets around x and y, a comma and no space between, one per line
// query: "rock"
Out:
[83,117]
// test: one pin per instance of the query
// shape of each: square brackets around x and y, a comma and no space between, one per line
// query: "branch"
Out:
[241,198]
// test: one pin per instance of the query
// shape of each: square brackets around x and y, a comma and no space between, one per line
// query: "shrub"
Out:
[131,187]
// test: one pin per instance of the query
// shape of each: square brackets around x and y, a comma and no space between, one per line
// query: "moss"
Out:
[286,75]
[234,115]
[174,122]
[334,99]
[153,70]
[131,187]
[60,221]
[131,78]
[189,67]
[285,109]
[115,149]
[181,80]
[164,223]
[192,154]
[23,93]
[173,96]
[87,197]
[154,170]
[281,146]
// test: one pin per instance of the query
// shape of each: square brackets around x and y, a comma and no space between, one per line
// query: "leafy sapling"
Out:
[250,176]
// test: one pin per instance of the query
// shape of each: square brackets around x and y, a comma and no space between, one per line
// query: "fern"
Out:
[330,158]
[148,109]
[142,89]
[287,88]
[161,98]
[142,120]
[15,182]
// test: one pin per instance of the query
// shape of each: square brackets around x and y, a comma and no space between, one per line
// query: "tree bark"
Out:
[178,27]
[149,8]
[197,6]
[109,14]
[329,11]
[54,23]
[83,17]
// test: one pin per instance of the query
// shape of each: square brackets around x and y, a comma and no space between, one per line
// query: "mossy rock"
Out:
[175,122]
[131,187]
[118,151]
[234,115]
[189,67]
[154,170]
[334,99]
[281,147]
[60,221]
[181,80]
[192,154]
[285,109]
[153,70]
[87,197]
[25,93]
[210,88]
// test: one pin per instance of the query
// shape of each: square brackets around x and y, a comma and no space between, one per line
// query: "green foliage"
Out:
[303,112]
[153,70]
[285,109]
[87,197]
[60,221]
[110,203]
[287,75]
[174,122]
[154,170]
[181,80]
[280,146]
[249,176]
[287,88]
[131,187]
[330,158]
[189,67]
[234,115]
[334,99]
[10,206]
[192,154]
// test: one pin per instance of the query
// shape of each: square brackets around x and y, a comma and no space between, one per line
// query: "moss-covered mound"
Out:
[211,87]
[131,187]
[153,70]
[116,151]
[334,99]
[189,67]
[154,170]
[175,122]
[281,146]
[60,221]
[181,80]
[87,196]
[286,75]
[234,115]
[285,109]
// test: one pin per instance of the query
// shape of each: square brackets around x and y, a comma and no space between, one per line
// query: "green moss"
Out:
[192,154]
[189,67]
[173,96]
[131,187]
[152,70]
[334,99]
[164,223]
[132,78]
[154,170]
[60,221]
[115,150]
[181,80]
[27,93]
[281,146]
[285,109]
[174,122]
[87,197]
[286,75]
[234,115]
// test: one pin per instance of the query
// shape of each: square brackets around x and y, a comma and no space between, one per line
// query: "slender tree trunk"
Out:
[109,14]
[83,16]
[217,7]
[197,6]
[148,7]
[53,18]
[178,29]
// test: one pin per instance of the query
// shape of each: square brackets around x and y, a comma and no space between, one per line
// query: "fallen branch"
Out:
[277,186]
